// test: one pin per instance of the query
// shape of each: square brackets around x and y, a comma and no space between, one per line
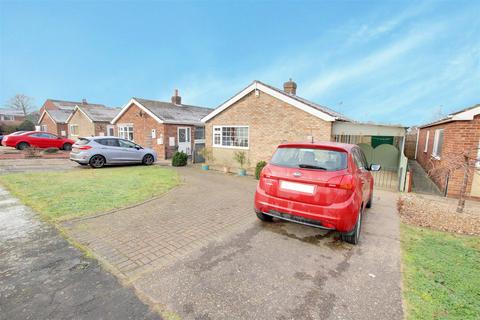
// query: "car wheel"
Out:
[370,201]
[263,217]
[148,159]
[354,236]
[97,161]
[67,147]
[23,146]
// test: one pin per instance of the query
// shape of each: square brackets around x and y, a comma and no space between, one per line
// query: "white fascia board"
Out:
[467,115]
[48,114]
[84,113]
[229,102]
[138,104]
[71,115]
[302,106]
[283,97]
[41,117]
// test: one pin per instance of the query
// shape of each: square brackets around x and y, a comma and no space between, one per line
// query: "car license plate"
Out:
[300,187]
[74,150]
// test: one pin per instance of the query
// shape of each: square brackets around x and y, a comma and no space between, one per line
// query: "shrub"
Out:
[258,169]
[26,125]
[7,129]
[240,157]
[179,159]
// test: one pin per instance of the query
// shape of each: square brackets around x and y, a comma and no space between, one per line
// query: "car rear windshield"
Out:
[82,141]
[310,158]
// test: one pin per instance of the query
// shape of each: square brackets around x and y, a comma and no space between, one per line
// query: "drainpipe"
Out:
[445,191]
[416,144]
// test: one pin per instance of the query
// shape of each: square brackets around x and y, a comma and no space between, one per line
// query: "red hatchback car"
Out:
[325,185]
[37,139]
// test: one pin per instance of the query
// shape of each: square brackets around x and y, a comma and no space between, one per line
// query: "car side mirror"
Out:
[375,167]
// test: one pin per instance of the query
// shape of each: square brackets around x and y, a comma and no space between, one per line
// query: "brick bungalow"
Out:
[55,121]
[162,126]
[91,120]
[260,117]
[54,114]
[455,134]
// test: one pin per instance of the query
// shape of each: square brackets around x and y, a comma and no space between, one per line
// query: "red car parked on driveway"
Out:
[37,139]
[325,185]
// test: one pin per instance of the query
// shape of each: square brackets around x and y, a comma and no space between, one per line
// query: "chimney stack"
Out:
[84,101]
[176,99]
[290,87]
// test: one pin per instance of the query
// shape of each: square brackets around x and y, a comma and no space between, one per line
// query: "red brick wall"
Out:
[171,131]
[100,127]
[52,126]
[142,128]
[458,136]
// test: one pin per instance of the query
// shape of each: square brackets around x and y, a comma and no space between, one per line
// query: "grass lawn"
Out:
[441,274]
[61,196]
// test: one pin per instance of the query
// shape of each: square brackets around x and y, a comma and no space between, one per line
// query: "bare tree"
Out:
[467,162]
[21,102]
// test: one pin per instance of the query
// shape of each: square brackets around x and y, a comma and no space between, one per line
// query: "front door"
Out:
[184,135]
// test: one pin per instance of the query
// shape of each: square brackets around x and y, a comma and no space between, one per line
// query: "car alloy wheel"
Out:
[148,159]
[23,146]
[97,161]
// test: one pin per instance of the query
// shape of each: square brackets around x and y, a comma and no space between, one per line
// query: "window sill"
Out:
[230,147]
[435,157]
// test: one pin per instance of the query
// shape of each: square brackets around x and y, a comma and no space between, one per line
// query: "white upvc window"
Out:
[73,129]
[7,117]
[425,149]
[236,137]
[437,143]
[43,127]
[125,131]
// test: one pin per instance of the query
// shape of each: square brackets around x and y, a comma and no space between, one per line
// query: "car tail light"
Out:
[84,147]
[345,182]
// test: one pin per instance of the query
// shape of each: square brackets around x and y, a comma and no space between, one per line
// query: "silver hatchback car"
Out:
[100,151]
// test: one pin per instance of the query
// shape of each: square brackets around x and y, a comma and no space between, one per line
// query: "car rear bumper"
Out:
[81,157]
[338,216]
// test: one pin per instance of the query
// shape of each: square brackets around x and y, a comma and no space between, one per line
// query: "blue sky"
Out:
[392,62]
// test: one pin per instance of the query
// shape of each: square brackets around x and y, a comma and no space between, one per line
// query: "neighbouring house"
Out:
[162,126]
[91,120]
[11,117]
[452,135]
[55,121]
[54,115]
[260,117]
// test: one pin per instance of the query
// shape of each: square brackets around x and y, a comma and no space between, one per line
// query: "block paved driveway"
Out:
[199,252]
